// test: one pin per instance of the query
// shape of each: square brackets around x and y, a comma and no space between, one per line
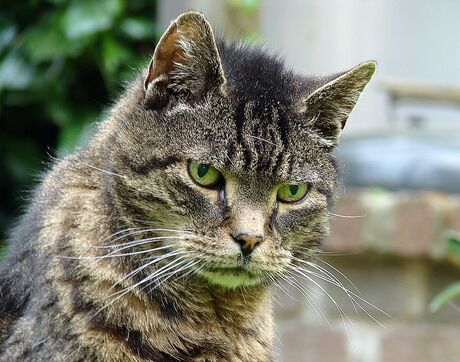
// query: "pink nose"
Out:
[248,242]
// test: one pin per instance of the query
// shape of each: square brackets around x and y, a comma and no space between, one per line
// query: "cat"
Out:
[163,237]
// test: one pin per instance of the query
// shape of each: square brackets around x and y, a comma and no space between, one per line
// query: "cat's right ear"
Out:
[186,62]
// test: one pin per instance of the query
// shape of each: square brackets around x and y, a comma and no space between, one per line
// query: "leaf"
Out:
[60,112]
[87,17]
[453,246]
[247,7]
[138,28]
[113,54]
[21,158]
[445,296]
[46,42]
[7,34]
[75,132]
[15,73]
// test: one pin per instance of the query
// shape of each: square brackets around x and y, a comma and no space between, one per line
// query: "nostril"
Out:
[247,242]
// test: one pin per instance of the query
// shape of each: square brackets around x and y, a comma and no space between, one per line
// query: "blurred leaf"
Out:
[15,73]
[58,2]
[61,61]
[138,28]
[60,112]
[453,248]
[74,133]
[113,54]
[22,158]
[7,33]
[87,17]
[248,7]
[453,245]
[45,42]
[445,296]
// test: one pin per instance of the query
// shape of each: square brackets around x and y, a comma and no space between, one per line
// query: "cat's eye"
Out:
[203,174]
[292,193]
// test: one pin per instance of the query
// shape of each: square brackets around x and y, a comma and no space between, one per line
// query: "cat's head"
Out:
[223,143]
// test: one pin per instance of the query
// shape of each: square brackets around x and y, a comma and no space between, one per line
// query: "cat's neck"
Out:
[237,306]
[184,316]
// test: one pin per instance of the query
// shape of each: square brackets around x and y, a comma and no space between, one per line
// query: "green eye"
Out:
[204,174]
[292,193]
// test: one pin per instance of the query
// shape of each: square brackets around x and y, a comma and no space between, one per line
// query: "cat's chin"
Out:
[231,278]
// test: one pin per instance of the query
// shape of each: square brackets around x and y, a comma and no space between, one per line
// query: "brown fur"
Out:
[229,106]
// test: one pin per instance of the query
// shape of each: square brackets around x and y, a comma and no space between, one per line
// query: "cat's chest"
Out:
[214,340]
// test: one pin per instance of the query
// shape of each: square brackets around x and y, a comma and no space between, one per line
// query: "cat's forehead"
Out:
[251,138]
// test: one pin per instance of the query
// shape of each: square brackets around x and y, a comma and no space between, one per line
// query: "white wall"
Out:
[413,40]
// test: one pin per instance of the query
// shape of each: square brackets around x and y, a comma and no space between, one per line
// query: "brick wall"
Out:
[391,246]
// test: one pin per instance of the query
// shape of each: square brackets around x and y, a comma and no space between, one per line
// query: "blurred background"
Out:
[395,232]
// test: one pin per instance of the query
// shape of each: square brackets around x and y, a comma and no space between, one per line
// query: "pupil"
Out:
[202,170]
[293,189]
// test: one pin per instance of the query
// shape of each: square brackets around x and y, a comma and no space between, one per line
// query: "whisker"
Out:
[338,271]
[125,291]
[328,276]
[172,273]
[351,294]
[146,230]
[347,216]
[309,298]
[301,273]
[122,231]
[138,270]
[333,253]
[104,171]
[164,269]
[262,139]
[133,243]
[112,255]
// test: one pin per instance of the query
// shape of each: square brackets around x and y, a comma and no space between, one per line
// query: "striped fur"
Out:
[236,108]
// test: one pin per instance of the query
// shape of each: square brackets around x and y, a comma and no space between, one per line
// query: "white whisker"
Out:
[300,287]
[138,270]
[134,243]
[347,216]
[104,171]
[338,307]
[125,291]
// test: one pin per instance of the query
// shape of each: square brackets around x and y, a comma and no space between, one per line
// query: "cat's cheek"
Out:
[298,221]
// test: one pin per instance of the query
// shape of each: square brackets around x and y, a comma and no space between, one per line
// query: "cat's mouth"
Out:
[231,276]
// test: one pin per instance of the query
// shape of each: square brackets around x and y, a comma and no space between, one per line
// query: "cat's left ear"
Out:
[186,62]
[329,106]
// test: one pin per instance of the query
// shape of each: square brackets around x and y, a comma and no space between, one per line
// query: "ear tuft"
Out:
[186,60]
[329,107]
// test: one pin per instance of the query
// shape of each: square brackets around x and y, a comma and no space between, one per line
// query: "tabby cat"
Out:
[163,237]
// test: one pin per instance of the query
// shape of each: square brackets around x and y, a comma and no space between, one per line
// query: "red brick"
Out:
[346,232]
[415,226]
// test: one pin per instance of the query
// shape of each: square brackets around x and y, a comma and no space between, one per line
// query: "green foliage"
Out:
[452,291]
[453,248]
[61,62]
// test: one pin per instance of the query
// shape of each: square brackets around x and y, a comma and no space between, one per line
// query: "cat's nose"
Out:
[247,242]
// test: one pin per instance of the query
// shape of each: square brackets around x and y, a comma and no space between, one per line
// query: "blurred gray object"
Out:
[410,160]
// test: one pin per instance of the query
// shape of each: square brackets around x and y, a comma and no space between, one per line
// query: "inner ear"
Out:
[166,53]
[186,61]
[328,108]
